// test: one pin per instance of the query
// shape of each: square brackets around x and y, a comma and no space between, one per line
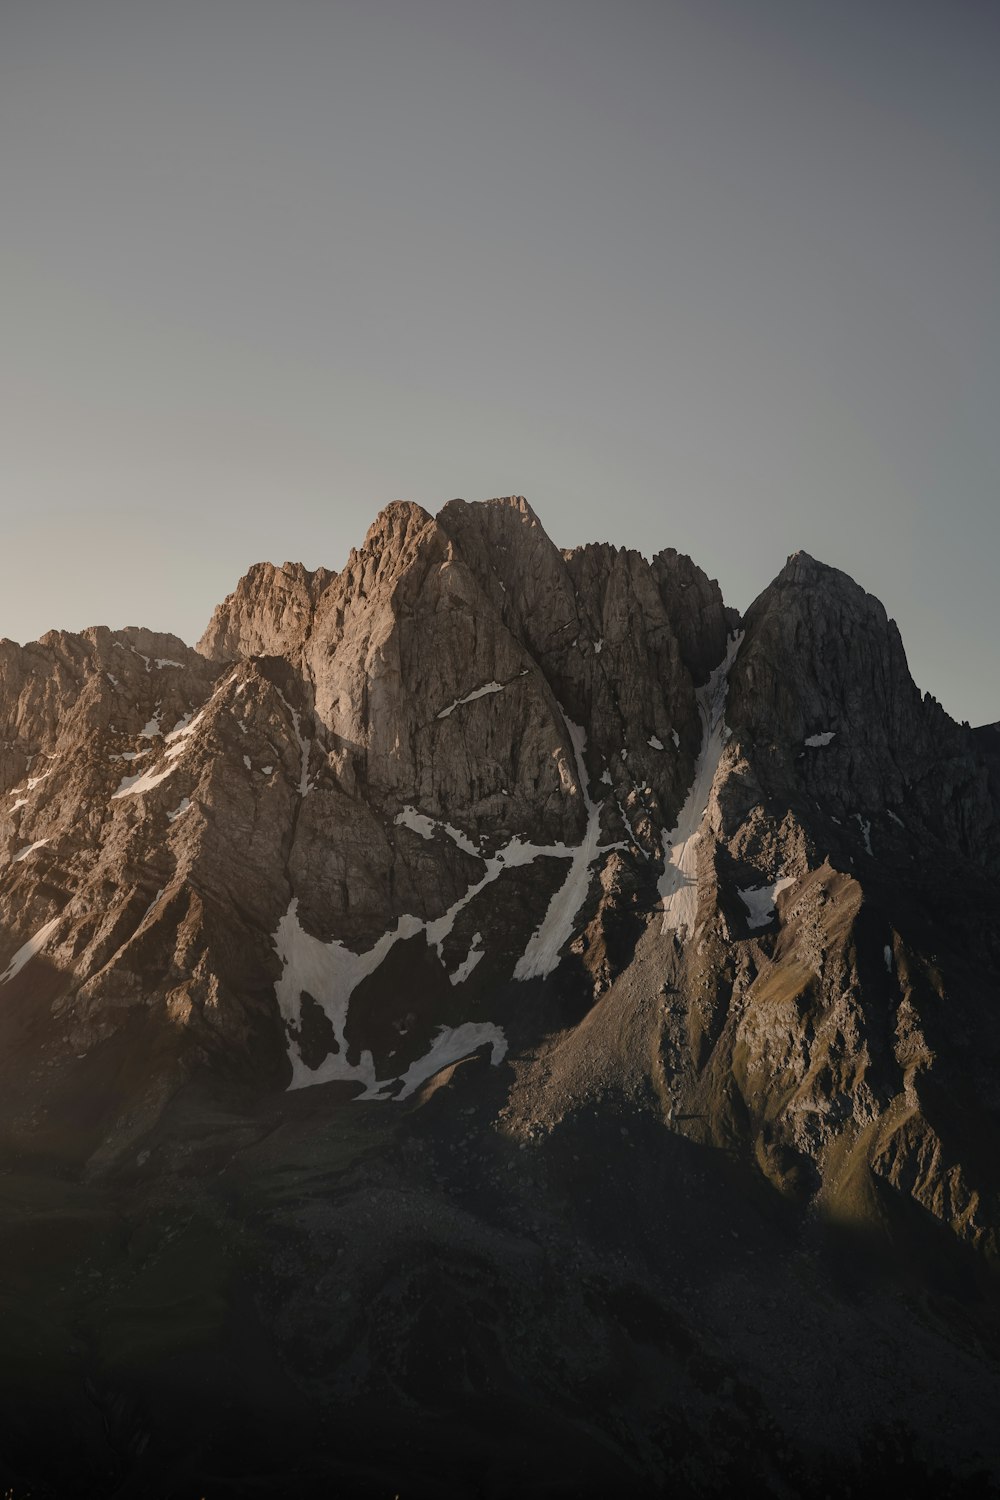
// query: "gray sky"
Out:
[718,276]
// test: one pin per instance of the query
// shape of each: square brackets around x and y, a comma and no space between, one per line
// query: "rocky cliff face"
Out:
[674,888]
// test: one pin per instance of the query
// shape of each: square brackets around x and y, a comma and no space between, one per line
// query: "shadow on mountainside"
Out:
[315,1296]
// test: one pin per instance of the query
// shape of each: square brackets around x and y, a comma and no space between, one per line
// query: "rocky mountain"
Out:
[493,1020]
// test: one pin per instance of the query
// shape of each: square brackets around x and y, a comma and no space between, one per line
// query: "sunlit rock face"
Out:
[552,842]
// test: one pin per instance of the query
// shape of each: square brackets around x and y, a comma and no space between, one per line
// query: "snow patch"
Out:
[421,824]
[866,831]
[676,739]
[599,646]
[470,960]
[480,692]
[654,743]
[152,906]
[151,728]
[887,954]
[27,952]
[179,728]
[181,807]
[759,900]
[134,786]
[417,822]
[246,762]
[895,818]
[816,741]
[450,1046]
[330,973]
[28,849]
[267,770]
[304,745]
[165,661]
[678,885]
[628,824]
[541,955]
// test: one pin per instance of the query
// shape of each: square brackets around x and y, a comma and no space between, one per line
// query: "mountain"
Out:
[493,1020]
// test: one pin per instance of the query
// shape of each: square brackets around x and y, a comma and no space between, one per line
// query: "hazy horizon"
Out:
[710,276]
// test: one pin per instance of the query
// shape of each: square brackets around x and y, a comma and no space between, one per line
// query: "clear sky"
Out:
[718,275]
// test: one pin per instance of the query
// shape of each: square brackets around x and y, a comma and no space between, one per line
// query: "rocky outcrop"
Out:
[269,613]
[823,694]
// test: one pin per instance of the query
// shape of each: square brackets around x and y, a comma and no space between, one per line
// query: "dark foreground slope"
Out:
[634,971]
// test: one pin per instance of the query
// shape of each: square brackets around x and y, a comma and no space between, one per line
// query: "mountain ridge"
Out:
[552,840]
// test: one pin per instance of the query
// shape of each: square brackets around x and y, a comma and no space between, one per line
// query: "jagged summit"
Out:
[266,613]
[524,894]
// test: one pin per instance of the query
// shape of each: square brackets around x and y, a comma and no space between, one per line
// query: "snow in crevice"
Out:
[479,692]
[678,885]
[28,950]
[470,960]
[134,786]
[895,817]
[166,661]
[817,741]
[866,832]
[545,945]
[887,955]
[176,740]
[676,739]
[421,824]
[450,1045]
[304,746]
[759,900]
[177,744]
[135,652]
[628,824]
[152,906]
[181,808]
[28,849]
[183,730]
